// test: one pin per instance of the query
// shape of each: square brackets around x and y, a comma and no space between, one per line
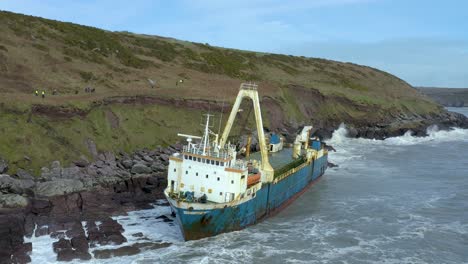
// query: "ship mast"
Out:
[206,135]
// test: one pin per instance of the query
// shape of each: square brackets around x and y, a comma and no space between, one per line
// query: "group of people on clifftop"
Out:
[55,92]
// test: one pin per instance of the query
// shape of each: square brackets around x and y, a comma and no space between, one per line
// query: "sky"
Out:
[423,42]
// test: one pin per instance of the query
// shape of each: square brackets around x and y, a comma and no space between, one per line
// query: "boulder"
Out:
[99,164]
[114,239]
[24,175]
[12,185]
[21,254]
[80,243]
[147,158]
[141,169]
[58,187]
[109,158]
[54,173]
[61,245]
[127,163]
[139,234]
[107,171]
[12,200]
[164,157]
[8,184]
[71,173]
[158,167]
[81,162]
[70,254]
[165,219]
[108,232]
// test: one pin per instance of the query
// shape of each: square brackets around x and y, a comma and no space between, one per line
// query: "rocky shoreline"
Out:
[75,204]
[418,125]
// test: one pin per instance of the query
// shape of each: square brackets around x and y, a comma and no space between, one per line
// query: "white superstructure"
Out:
[208,170]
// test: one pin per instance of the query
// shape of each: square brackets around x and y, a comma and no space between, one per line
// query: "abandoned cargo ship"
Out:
[211,190]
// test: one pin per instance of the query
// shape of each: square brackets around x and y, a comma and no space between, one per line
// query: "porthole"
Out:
[218,178]
[207,176]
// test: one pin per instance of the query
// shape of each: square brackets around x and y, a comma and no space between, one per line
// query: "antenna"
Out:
[206,134]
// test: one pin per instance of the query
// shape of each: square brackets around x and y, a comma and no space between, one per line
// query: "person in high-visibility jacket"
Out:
[36,93]
[43,94]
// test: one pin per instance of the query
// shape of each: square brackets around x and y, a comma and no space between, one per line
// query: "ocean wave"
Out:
[340,137]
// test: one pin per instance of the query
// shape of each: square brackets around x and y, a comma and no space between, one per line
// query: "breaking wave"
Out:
[339,137]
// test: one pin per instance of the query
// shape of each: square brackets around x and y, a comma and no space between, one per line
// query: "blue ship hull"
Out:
[270,199]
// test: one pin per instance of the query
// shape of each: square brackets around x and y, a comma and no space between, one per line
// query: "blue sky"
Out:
[422,42]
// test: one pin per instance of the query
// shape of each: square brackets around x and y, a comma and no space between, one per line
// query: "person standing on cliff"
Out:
[43,94]
[36,93]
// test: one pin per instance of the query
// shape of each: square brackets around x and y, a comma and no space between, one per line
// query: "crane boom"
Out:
[250,91]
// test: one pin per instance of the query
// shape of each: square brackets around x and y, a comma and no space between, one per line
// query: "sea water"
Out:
[400,200]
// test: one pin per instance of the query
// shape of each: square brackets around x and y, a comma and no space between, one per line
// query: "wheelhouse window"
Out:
[217,163]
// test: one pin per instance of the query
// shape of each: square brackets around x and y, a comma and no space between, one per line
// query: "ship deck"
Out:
[277,159]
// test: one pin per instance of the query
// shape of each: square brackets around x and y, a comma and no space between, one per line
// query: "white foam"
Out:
[42,250]
[340,137]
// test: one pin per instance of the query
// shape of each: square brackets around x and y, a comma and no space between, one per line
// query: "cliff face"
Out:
[135,98]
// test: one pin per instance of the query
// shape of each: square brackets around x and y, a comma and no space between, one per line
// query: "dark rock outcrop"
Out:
[59,201]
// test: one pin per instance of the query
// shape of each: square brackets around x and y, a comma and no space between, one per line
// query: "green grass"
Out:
[45,139]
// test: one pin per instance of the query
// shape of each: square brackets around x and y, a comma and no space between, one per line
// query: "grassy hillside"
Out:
[126,113]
